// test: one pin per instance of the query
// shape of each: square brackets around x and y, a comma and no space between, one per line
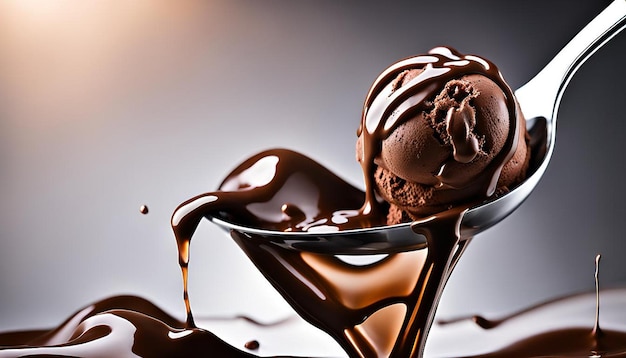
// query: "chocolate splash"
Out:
[384,309]
[365,307]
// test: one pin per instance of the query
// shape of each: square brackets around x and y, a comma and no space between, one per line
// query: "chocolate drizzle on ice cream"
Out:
[439,130]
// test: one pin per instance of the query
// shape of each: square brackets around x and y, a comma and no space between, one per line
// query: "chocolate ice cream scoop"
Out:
[438,130]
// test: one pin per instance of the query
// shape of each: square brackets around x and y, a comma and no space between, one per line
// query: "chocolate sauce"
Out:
[570,341]
[379,309]
[368,314]
[78,336]
[382,309]
[122,326]
[597,331]
[253,344]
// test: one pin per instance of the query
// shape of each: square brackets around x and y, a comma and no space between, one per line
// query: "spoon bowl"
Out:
[539,100]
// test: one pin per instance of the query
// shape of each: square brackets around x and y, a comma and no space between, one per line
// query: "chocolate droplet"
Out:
[253,344]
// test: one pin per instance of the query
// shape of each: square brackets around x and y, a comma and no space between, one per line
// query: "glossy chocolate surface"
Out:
[362,307]
[381,309]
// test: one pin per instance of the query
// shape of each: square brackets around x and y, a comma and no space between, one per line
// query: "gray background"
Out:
[105,106]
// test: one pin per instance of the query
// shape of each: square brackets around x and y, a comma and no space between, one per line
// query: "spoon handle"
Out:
[540,97]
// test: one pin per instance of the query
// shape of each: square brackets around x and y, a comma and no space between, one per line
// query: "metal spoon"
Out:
[539,100]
